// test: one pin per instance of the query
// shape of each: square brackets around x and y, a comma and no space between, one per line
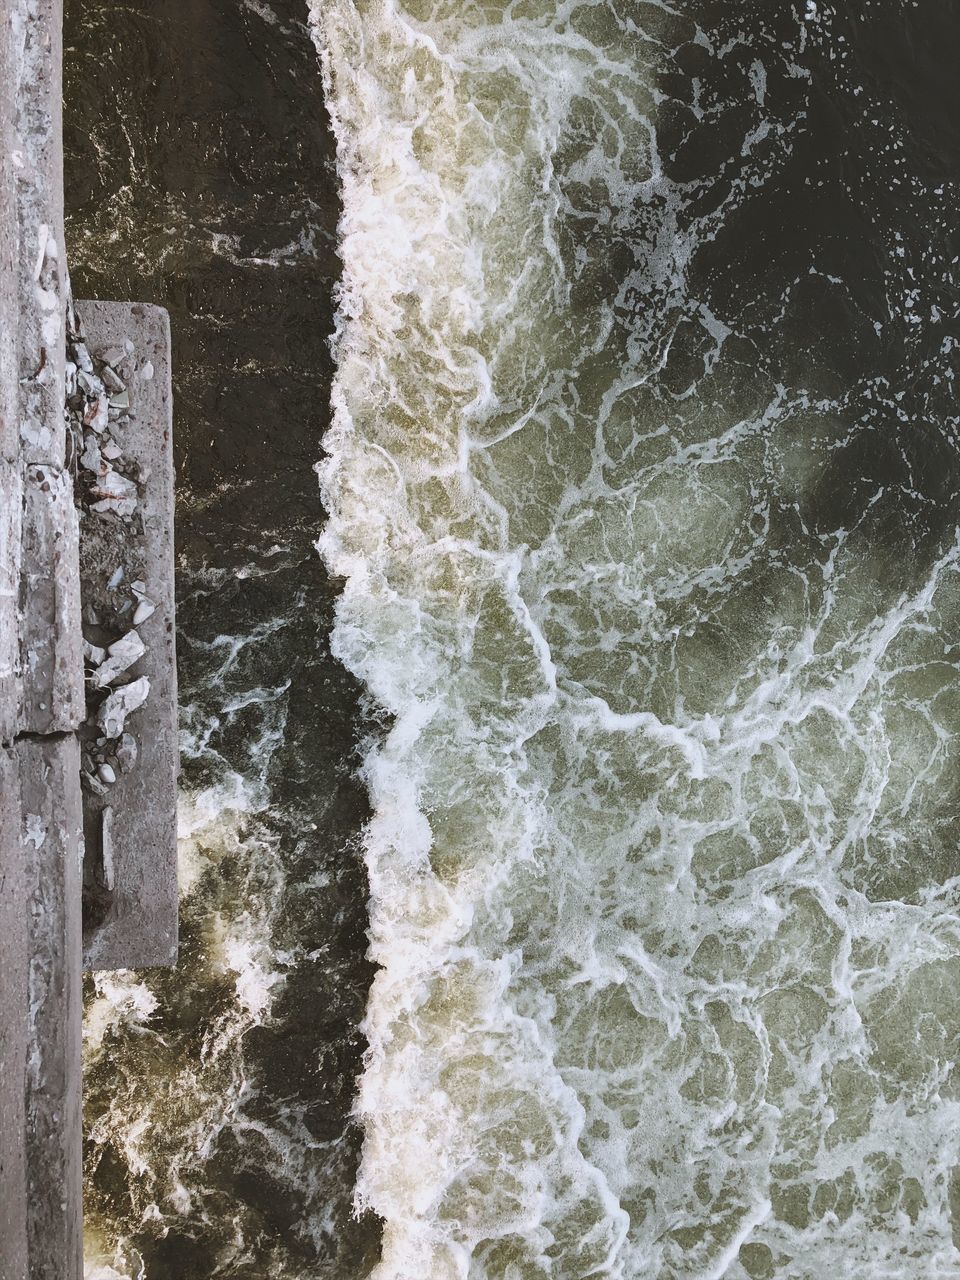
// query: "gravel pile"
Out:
[108,488]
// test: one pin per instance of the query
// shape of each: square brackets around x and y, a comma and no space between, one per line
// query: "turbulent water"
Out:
[643,478]
[199,174]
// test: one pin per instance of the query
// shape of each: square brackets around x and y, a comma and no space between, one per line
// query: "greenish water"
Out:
[643,479]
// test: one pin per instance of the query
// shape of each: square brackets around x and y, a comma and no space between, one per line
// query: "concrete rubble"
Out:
[87,662]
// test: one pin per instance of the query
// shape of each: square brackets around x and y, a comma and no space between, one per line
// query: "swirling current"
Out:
[642,482]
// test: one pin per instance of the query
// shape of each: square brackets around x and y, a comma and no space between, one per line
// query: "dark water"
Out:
[199,176]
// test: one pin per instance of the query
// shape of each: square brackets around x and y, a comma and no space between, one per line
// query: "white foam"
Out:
[644,881]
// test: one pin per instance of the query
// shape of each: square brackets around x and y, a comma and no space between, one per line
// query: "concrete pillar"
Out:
[13,931]
[37,27]
[52,834]
[13,1027]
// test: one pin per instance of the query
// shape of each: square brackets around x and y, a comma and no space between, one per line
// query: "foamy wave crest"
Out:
[656,946]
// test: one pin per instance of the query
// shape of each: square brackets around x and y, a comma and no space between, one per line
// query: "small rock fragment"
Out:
[120,400]
[82,356]
[145,609]
[122,654]
[108,874]
[120,704]
[97,414]
[106,774]
[111,450]
[114,492]
[112,380]
[90,458]
[146,373]
[93,653]
[90,782]
[127,752]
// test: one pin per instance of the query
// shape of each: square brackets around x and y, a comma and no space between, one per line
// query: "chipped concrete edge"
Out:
[130,826]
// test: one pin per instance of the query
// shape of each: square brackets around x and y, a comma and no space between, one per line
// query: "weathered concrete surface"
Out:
[50,658]
[51,842]
[42,698]
[51,650]
[9,393]
[41,677]
[13,1027]
[136,882]
[11,515]
[37,30]
[13,934]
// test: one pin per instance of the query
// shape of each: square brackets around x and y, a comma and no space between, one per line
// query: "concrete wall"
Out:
[41,677]
[43,699]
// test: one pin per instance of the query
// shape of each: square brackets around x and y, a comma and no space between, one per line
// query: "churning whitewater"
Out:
[642,482]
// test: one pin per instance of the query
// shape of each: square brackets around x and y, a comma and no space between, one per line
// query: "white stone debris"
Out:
[112,380]
[83,357]
[146,373]
[97,414]
[114,492]
[106,774]
[120,704]
[90,458]
[93,653]
[127,752]
[121,656]
[144,610]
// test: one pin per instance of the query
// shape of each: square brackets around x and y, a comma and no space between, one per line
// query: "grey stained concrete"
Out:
[37,30]
[52,823]
[51,648]
[41,677]
[139,833]
[42,695]
[13,1026]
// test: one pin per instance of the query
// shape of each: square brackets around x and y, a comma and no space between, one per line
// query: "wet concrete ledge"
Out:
[45,698]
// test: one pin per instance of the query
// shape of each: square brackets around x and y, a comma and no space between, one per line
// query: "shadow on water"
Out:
[200,175]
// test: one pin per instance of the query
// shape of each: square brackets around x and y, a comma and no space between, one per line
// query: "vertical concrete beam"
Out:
[9,250]
[10,498]
[13,1027]
[52,847]
[37,28]
[51,646]
[41,676]
[132,830]
[13,926]
[50,653]
[11,513]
